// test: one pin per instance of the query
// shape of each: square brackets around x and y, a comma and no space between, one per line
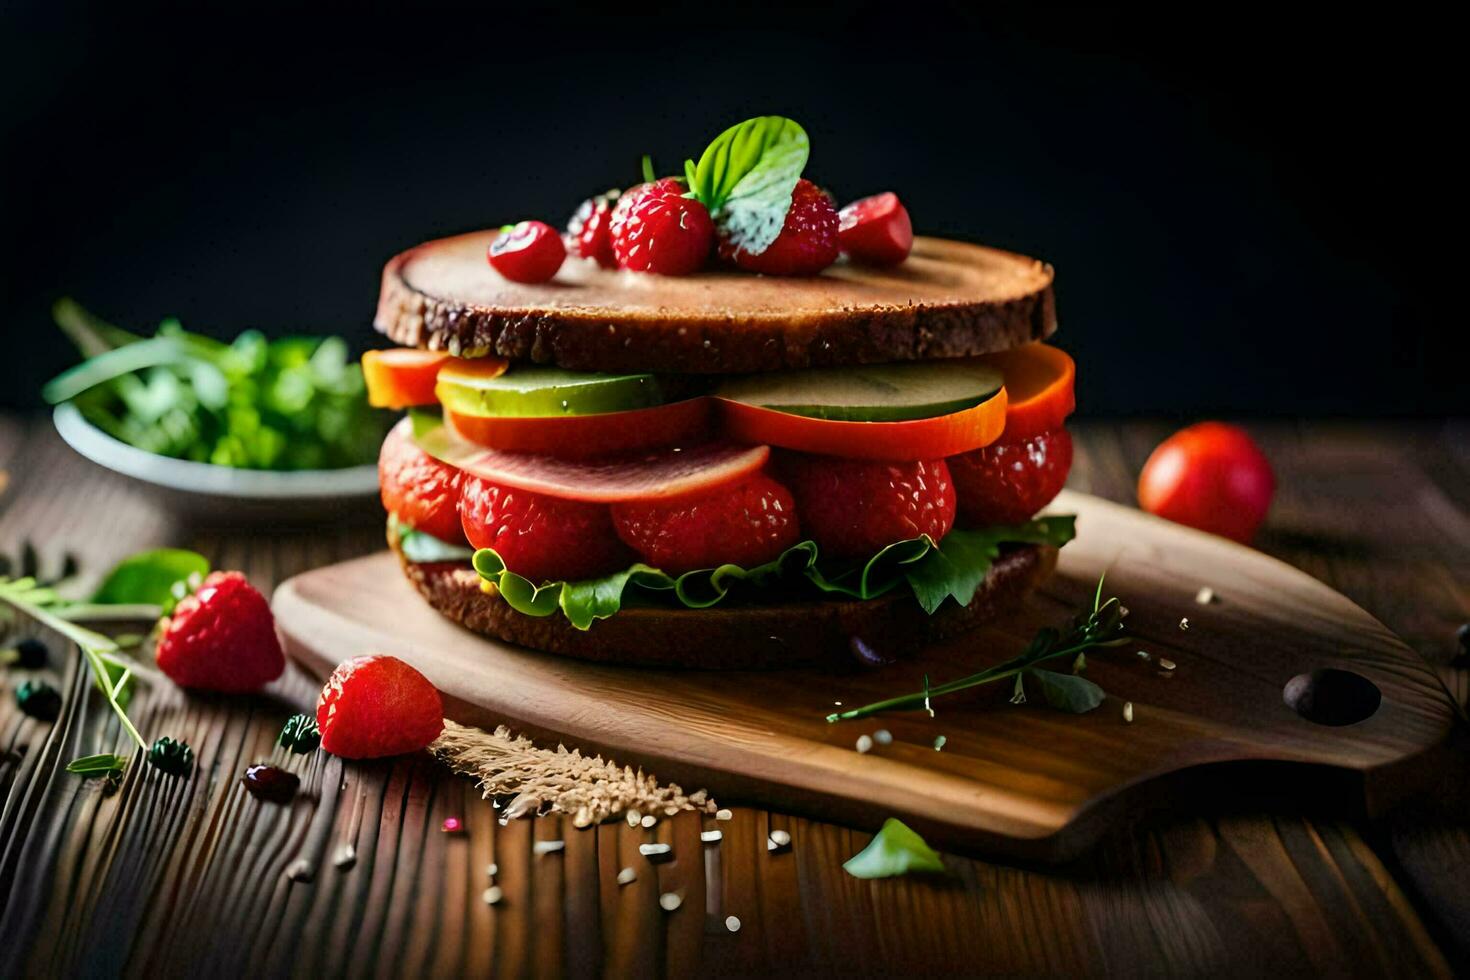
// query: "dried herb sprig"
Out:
[1101,627]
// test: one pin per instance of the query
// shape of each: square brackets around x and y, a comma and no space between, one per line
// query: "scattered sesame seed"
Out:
[648,821]
[633,818]
[780,838]
[939,741]
[627,876]
[732,922]
[1205,596]
[1122,611]
[1144,655]
[493,895]
[711,836]
[548,847]
[1166,663]
[771,845]
[723,814]
[653,850]
[669,901]
[300,870]
[864,743]
[837,703]
[345,857]
[504,821]
[1128,712]
[1184,623]
[883,737]
[492,869]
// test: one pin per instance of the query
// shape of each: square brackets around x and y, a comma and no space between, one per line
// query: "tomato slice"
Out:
[943,435]
[588,436]
[403,377]
[1040,382]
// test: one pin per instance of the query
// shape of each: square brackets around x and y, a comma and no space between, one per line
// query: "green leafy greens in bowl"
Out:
[294,403]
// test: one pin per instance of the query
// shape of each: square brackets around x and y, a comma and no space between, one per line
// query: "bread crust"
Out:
[797,634]
[950,299]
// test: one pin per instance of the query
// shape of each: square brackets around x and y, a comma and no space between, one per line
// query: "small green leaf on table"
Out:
[149,577]
[894,850]
[91,766]
[1067,692]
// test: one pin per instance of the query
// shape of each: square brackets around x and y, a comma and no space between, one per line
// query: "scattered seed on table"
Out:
[300,870]
[345,857]
[780,838]
[633,817]
[493,895]
[1205,596]
[732,922]
[1166,663]
[939,741]
[711,836]
[1144,655]
[653,850]
[648,821]
[837,704]
[492,869]
[669,901]
[548,847]
[771,845]
[1184,623]
[1128,712]
[883,737]
[627,876]
[723,814]
[864,743]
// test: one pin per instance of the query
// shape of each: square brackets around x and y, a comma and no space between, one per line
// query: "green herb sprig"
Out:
[1101,627]
[746,177]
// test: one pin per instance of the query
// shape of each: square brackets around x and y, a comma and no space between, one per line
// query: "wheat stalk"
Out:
[589,789]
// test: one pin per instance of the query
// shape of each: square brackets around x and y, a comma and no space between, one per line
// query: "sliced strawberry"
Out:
[1009,481]
[541,538]
[376,706]
[417,488]
[747,524]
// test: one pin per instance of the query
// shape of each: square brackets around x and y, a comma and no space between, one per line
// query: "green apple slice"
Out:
[542,392]
[871,393]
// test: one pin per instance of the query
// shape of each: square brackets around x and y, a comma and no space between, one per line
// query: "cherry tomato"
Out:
[1040,382]
[876,230]
[589,436]
[934,438]
[532,251]
[1210,476]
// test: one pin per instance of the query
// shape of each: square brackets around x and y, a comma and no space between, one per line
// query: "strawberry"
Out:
[221,638]
[589,232]
[378,705]
[808,240]
[529,252]
[418,489]
[539,537]
[747,524]
[876,230]
[852,508]
[655,228]
[1008,482]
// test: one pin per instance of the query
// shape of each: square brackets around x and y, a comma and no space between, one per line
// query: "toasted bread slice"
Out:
[949,299]
[793,634]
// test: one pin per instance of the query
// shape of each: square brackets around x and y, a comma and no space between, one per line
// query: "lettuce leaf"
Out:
[934,572]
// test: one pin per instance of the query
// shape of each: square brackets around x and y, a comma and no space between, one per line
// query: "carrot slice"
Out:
[402,377]
[1040,380]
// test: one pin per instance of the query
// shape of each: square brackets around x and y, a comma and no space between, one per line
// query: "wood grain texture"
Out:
[172,880]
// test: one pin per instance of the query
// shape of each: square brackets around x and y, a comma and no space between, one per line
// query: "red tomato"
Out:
[876,230]
[935,438]
[589,436]
[1210,476]
[531,251]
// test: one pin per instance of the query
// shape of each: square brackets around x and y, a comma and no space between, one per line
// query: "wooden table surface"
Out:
[195,877]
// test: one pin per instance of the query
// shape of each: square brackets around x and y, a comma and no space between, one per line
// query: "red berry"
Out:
[876,230]
[378,705]
[747,524]
[1211,476]
[808,240]
[532,251]
[852,508]
[655,228]
[589,232]
[539,537]
[418,489]
[1008,482]
[221,638]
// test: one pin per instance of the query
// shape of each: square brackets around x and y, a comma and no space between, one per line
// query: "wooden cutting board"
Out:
[1023,780]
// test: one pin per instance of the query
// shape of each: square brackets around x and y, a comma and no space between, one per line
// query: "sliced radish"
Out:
[657,476]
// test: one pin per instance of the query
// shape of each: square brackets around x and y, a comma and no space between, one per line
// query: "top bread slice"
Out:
[949,299]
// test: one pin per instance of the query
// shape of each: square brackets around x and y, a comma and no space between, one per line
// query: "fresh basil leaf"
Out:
[1067,692]
[149,576]
[894,850]
[746,177]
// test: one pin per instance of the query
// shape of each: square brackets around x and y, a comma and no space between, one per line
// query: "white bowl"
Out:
[224,492]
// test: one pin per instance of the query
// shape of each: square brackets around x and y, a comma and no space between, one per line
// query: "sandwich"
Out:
[717,421]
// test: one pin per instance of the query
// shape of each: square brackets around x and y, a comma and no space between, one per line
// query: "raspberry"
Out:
[531,252]
[378,705]
[1008,482]
[589,235]
[876,230]
[221,638]
[655,228]
[747,524]
[853,508]
[418,489]
[808,240]
[538,537]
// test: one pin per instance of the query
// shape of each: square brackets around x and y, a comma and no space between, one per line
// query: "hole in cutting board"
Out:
[1330,696]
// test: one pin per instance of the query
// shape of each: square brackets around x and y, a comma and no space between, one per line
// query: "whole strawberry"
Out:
[655,228]
[852,508]
[747,524]
[378,705]
[589,232]
[807,243]
[221,638]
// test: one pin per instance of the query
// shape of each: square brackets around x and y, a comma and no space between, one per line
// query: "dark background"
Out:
[1246,209]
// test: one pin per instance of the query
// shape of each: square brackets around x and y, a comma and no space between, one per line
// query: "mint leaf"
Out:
[746,177]
[1067,692]
[148,577]
[894,850]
